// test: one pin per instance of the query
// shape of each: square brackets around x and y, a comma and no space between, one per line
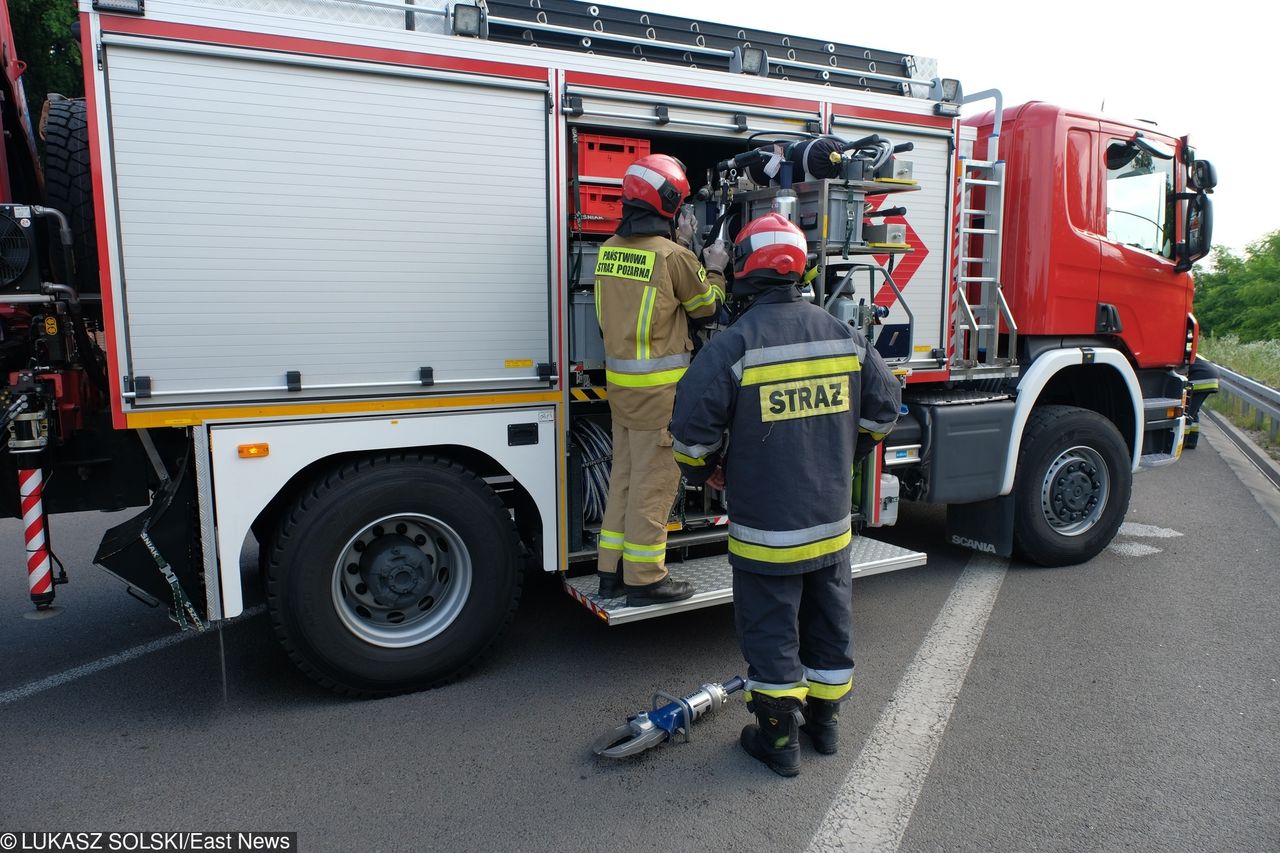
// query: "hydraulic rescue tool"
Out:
[658,725]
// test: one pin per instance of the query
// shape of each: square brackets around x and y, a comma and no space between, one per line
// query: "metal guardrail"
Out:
[1250,397]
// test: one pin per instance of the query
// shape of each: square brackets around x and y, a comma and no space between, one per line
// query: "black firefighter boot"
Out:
[821,724]
[665,591]
[775,736]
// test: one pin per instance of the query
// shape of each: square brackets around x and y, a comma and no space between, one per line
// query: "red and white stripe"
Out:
[39,566]
[960,250]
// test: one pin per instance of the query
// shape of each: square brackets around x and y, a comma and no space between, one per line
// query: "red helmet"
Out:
[657,181]
[771,243]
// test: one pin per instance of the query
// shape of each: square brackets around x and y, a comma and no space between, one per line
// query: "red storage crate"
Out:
[607,157]
[602,201]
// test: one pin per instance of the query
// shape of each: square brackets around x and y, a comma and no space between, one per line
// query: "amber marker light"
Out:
[254,451]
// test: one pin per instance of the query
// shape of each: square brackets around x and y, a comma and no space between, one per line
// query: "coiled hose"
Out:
[597,461]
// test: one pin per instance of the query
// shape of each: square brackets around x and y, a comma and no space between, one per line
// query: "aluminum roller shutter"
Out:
[351,225]
[639,111]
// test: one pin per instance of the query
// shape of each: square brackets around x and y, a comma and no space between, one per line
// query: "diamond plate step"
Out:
[712,578]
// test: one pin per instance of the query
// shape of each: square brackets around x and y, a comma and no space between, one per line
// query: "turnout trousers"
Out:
[796,631]
[642,490]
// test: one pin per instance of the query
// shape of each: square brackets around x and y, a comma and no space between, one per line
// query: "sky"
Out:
[1204,69]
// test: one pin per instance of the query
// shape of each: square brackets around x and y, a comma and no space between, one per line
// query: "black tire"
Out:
[68,184]
[308,595]
[1072,486]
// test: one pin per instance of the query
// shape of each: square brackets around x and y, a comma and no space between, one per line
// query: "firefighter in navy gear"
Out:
[1203,377]
[648,287]
[802,398]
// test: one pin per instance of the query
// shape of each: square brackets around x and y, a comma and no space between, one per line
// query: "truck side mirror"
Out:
[1198,231]
[1203,176]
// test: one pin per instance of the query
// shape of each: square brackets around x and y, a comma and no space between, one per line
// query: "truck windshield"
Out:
[1140,203]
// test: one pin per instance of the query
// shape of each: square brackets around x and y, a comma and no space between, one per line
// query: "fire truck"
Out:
[318,274]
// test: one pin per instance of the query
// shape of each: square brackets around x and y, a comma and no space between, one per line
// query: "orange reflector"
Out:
[254,451]
[1172,412]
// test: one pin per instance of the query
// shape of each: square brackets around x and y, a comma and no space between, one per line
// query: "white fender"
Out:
[244,486]
[1044,369]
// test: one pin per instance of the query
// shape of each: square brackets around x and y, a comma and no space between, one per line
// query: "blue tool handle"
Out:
[671,716]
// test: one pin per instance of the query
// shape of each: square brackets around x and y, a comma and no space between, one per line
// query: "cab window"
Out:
[1140,199]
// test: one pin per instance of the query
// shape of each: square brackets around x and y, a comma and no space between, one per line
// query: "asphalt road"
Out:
[1128,704]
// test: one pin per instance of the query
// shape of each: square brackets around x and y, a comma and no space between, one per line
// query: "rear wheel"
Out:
[393,574]
[1072,487]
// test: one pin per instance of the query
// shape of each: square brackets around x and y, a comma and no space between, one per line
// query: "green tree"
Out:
[43,39]
[1241,296]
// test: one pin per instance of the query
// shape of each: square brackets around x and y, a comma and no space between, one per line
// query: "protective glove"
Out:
[686,224]
[716,480]
[716,257]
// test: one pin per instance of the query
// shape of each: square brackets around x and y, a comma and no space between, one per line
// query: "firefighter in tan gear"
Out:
[647,289]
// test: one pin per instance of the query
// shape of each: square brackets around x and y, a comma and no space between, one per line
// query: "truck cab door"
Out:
[1139,233]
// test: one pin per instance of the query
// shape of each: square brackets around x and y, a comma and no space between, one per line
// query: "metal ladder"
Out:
[977,325]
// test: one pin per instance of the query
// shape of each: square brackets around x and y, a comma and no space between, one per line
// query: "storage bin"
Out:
[607,157]
[597,201]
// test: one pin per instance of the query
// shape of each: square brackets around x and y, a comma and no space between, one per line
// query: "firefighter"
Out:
[802,398]
[1203,377]
[647,289]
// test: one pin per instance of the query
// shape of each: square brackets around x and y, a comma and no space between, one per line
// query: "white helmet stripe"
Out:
[649,176]
[772,238]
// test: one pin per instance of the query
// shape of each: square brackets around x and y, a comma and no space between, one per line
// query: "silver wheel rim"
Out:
[401,580]
[1075,490]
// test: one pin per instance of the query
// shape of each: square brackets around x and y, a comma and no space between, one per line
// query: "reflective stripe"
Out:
[644,323]
[649,176]
[876,426]
[775,238]
[598,321]
[782,538]
[640,366]
[800,369]
[792,352]
[645,380]
[1192,428]
[646,372]
[830,692]
[610,540]
[1207,385]
[698,451]
[765,554]
[700,300]
[643,553]
[799,690]
[829,676]
[688,460]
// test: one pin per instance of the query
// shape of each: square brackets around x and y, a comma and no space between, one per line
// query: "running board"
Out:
[712,580]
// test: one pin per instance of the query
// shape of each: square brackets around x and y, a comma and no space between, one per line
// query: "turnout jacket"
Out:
[646,289]
[803,397]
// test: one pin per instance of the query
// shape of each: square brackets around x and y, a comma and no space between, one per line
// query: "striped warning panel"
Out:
[587,395]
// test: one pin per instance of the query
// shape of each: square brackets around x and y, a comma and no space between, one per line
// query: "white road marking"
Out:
[874,805]
[32,688]
[1147,531]
[1132,549]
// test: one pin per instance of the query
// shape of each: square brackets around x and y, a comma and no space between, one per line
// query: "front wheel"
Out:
[1072,487]
[393,574]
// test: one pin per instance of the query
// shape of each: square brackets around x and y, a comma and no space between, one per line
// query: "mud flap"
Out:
[985,526]
[158,551]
